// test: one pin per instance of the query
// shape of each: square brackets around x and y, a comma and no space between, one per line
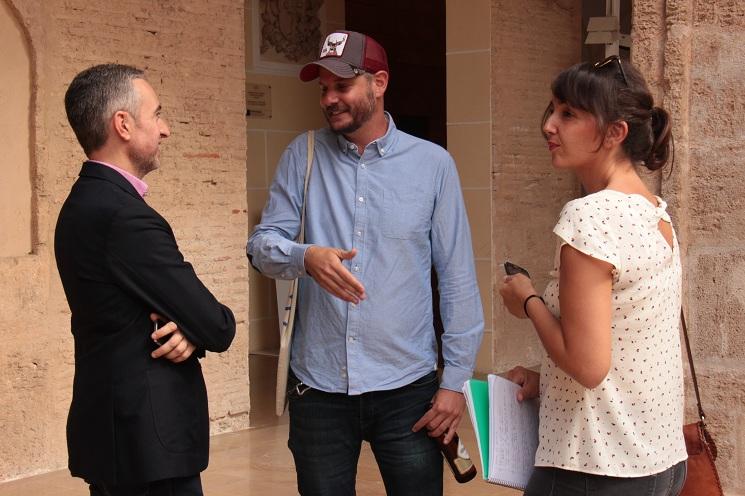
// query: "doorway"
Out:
[413,34]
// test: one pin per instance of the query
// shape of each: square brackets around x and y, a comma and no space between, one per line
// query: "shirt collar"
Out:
[139,185]
[381,145]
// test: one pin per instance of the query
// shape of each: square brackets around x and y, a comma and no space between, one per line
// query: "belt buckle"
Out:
[301,389]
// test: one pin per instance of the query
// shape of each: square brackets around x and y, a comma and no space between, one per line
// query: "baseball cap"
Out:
[344,53]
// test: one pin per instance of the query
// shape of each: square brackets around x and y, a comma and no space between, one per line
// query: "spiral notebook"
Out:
[506,431]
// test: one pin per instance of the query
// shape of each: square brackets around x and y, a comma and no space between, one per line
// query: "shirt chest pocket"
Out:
[407,214]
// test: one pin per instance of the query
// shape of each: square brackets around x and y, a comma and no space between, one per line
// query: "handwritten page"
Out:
[513,434]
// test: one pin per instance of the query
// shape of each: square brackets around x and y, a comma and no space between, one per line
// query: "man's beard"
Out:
[361,113]
[144,163]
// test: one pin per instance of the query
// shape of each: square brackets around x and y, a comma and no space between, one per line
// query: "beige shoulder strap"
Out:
[309,166]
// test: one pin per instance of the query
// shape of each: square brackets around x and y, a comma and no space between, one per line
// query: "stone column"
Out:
[691,52]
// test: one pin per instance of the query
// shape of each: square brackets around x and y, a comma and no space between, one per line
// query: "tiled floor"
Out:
[257,462]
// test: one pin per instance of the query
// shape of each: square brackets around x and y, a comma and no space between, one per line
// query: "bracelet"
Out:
[525,303]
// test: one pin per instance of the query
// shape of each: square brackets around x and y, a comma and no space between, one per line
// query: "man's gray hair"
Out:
[94,96]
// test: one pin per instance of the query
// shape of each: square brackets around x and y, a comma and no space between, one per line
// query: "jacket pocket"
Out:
[178,399]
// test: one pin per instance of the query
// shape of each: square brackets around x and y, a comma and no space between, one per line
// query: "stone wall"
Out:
[692,52]
[469,123]
[193,53]
[531,42]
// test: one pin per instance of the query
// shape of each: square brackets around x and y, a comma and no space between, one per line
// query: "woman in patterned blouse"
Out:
[611,382]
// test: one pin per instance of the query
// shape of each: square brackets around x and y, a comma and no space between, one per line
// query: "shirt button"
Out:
[359,234]
[356,268]
[351,340]
[363,166]
[361,199]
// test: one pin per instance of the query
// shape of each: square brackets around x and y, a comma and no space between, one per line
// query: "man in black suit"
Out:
[138,423]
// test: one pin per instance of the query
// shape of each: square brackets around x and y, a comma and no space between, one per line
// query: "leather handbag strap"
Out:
[690,363]
[308,167]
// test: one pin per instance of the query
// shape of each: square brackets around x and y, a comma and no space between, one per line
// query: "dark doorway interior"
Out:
[593,8]
[413,34]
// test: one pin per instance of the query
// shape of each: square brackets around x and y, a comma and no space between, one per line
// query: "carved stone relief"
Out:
[290,30]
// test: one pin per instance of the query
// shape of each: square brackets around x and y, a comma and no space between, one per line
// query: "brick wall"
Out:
[193,52]
[15,96]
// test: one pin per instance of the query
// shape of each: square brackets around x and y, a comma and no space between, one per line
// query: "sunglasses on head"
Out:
[610,60]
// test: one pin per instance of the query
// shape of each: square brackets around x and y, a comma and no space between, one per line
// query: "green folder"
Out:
[477,397]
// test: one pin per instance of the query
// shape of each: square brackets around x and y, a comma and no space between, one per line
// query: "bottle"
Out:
[458,459]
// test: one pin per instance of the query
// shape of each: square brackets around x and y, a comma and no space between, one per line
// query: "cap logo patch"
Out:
[334,45]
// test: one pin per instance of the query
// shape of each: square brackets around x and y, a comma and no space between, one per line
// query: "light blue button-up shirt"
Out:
[400,205]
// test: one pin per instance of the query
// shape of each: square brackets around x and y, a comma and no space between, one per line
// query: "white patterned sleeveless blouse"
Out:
[631,424]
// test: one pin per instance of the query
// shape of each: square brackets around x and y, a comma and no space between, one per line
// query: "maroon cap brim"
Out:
[336,66]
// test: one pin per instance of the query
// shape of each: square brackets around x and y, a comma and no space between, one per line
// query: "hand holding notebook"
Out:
[506,430]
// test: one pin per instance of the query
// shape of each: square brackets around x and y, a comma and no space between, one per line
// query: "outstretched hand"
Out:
[177,348]
[324,264]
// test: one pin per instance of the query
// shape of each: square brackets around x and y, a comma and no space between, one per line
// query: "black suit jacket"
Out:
[132,418]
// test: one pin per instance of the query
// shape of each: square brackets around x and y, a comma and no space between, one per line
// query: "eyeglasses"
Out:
[610,60]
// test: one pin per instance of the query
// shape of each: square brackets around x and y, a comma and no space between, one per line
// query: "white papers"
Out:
[513,434]
[506,431]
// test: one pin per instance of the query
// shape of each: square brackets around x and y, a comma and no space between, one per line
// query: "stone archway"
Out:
[15,136]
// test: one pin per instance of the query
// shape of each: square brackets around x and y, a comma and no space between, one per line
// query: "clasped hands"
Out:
[322,263]
[177,348]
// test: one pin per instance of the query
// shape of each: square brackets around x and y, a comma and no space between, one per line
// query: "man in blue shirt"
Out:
[383,207]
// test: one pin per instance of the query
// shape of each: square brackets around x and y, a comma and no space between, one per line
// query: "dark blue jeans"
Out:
[549,481]
[327,430]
